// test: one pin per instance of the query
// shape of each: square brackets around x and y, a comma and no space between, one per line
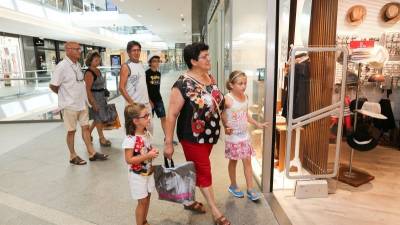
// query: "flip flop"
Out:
[105,143]
[98,156]
[77,161]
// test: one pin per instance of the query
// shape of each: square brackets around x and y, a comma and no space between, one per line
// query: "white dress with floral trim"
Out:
[238,144]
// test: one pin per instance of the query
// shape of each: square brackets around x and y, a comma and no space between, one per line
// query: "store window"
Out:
[248,55]
[11,62]
[46,58]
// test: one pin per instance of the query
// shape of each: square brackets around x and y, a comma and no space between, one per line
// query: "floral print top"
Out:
[199,117]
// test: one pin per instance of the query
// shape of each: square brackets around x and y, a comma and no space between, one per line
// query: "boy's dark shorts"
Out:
[159,109]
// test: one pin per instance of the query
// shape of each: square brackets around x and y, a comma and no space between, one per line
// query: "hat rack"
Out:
[348,174]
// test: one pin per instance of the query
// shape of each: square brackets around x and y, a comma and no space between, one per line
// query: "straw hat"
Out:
[356,14]
[390,13]
[372,109]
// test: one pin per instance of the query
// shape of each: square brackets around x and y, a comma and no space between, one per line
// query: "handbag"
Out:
[175,184]
[111,113]
[106,93]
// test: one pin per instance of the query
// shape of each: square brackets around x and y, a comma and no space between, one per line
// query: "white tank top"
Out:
[237,120]
[136,84]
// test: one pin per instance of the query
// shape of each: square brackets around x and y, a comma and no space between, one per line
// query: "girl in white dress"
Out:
[237,138]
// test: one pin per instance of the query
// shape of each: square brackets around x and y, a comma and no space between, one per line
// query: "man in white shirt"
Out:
[132,85]
[67,81]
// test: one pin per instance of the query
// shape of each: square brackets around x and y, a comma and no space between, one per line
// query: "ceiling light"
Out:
[140,16]
[181,15]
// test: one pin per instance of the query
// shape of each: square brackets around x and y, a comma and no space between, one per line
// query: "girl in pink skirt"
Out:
[237,138]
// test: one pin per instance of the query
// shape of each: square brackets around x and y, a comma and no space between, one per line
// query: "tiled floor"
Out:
[39,187]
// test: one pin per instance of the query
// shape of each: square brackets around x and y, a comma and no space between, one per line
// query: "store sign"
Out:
[38,42]
[362,44]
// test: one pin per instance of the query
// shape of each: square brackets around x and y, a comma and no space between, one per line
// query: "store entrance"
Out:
[369,144]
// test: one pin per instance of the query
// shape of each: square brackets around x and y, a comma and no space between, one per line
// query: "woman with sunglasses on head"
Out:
[195,105]
[96,92]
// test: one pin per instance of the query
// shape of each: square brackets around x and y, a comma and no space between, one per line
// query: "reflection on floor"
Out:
[375,203]
[39,187]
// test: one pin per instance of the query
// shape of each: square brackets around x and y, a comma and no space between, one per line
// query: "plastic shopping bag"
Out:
[175,184]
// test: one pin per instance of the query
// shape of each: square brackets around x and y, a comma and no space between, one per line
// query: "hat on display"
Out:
[379,55]
[360,104]
[152,56]
[361,139]
[390,13]
[356,14]
[351,78]
[376,78]
[372,109]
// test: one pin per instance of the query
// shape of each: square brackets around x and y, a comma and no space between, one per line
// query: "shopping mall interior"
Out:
[324,76]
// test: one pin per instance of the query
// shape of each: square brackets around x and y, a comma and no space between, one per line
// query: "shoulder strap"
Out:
[93,74]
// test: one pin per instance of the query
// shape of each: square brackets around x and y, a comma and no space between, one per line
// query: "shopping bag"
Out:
[112,125]
[175,184]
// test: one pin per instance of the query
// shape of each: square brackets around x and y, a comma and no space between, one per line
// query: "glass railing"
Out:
[77,5]
[26,96]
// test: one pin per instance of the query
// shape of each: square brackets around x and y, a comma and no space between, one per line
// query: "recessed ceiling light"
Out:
[140,16]
[181,15]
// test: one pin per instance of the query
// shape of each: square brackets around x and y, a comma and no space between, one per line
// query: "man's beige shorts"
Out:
[71,117]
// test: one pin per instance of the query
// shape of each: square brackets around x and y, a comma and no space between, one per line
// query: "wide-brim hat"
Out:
[356,15]
[362,141]
[390,13]
[372,109]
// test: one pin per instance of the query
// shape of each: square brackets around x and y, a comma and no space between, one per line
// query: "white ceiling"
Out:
[162,17]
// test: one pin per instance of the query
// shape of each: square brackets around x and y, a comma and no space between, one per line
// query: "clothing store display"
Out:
[301,90]
[361,139]
[356,14]
[360,54]
[390,13]
[386,110]
[351,78]
[372,109]
[379,55]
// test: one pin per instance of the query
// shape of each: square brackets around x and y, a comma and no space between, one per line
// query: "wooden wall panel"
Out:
[315,145]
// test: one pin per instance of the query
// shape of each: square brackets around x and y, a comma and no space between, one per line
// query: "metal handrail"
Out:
[50,71]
